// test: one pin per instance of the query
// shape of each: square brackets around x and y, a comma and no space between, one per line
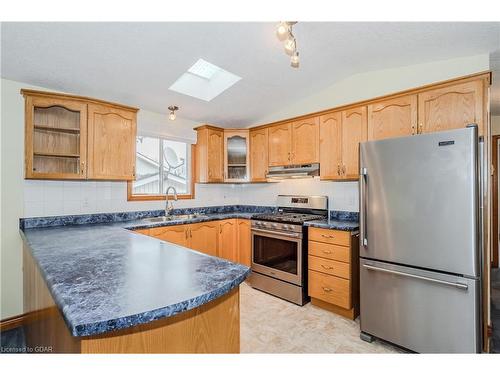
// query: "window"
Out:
[161,163]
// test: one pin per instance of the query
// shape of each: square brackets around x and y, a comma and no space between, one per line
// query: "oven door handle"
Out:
[291,235]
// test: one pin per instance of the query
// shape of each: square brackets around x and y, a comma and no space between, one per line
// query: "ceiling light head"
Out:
[283,30]
[290,46]
[294,60]
[172,110]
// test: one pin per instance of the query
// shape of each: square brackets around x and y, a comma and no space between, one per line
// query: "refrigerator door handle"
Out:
[362,211]
[456,285]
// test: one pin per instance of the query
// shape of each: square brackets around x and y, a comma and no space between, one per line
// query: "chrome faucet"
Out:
[169,207]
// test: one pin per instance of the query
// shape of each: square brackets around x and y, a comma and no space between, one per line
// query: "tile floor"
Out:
[495,310]
[271,325]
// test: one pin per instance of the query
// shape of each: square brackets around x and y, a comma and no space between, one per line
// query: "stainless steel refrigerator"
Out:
[421,241]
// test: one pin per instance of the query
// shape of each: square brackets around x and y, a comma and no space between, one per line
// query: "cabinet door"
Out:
[215,156]
[203,237]
[330,145]
[228,246]
[55,138]
[111,143]
[451,107]
[354,129]
[244,242]
[280,138]
[236,156]
[392,118]
[177,234]
[258,155]
[305,141]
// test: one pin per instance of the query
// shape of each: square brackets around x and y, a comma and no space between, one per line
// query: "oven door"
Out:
[277,254]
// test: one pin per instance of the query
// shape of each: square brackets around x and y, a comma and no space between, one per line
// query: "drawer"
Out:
[334,252]
[336,237]
[330,289]
[331,267]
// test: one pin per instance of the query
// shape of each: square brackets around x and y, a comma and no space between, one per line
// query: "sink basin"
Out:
[160,219]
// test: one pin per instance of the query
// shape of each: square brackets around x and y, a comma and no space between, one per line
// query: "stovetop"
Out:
[288,217]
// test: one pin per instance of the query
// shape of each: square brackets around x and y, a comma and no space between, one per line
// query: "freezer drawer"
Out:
[427,312]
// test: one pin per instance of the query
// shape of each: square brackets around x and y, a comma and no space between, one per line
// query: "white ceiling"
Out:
[135,63]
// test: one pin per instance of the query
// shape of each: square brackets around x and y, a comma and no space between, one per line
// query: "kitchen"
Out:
[202,218]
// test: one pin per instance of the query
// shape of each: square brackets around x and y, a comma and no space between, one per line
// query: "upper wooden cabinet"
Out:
[294,142]
[340,135]
[392,118]
[55,138]
[111,143]
[330,145]
[451,107]
[210,154]
[354,129]
[73,137]
[236,156]
[305,141]
[280,139]
[258,155]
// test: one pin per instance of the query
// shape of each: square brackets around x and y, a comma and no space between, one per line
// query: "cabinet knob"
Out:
[327,267]
[328,290]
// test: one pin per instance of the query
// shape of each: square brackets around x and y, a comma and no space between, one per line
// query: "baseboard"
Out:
[13,322]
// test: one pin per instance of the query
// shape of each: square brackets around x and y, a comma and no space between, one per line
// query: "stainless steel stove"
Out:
[279,246]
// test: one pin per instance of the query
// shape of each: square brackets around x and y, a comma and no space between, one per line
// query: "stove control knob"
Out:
[286,227]
[275,225]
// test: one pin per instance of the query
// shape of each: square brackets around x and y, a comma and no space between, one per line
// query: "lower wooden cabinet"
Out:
[229,239]
[228,244]
[178,234]
[244,242]
[333,277]
[203,237]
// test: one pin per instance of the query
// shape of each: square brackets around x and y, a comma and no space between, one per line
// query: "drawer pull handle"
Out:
[328,290]
[327,251]
[327,236]
[327,267]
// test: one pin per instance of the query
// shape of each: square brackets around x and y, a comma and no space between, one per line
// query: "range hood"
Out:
[293,171]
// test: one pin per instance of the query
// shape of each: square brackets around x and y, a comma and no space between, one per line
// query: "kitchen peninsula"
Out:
[103,288]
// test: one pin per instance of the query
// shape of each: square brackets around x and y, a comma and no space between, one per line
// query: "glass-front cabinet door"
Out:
[236,160]
[56,138]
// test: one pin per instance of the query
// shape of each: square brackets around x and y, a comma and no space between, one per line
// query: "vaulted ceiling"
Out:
[135,63]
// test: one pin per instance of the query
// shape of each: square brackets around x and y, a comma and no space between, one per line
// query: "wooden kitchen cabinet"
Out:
[74,137]
[111,143]
[330,146]
[294,142]
[210,154]
[236,155]
[333,277]
[259,155]
[340,135]
[391,118]
[305,141]
[55,138]
[354,129]
[177,234]
[452,107]
[228,240]
[280,139]
[203,237]
[244,242]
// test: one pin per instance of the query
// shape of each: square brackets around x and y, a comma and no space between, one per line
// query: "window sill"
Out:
[150,197]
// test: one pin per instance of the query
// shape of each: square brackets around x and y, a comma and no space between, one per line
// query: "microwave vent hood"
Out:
[293,171]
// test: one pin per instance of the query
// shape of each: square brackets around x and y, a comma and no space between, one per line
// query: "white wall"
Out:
[382,82]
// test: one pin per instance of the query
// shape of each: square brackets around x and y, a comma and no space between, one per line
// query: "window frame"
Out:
[153,197]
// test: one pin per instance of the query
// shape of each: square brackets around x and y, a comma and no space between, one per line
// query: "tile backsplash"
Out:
[51,198]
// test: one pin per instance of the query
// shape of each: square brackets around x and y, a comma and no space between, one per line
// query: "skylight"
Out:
[204,81]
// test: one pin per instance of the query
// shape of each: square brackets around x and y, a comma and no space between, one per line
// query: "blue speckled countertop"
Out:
[104,277]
